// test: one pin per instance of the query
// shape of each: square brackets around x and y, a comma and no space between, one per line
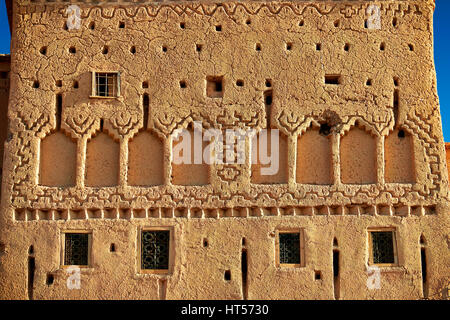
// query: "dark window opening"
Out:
[268,83]
[325,129]
[133,49]
[112,248]
[155,250]
[145,84]
[336,23]
[58,83]
[31,271]
[182,25]
[183,84]
[218,28]
[289,46]
[401,134]
[301,23]
[43,51]
[121,25]
[318,46]
[369,82]
[317,275]
[198,47]
[258,47]
[382,46]
[76,249]
[396,104]
[332,79]
[335,263]
[205,242]
[383,247]
[50,279]
[395,22]
[164,49]
[289,248]
[72,50]
[92,25]
[59,103]
[75,85]
[105,50]
[146,106]
[411,47]
[240,83]
[244,271]
[227,275]
[214,87]
[36,84]
[346,47]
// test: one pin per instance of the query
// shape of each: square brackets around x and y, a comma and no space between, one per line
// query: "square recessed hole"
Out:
[289,46]
[43,51]
[301,23]
[240,83]
[72,50]
[258,47]
[214,86]
[182,25]
[105,50]
[121,24]
[248,22]
[318,46]
[382,46]
[164,48]
[145,85]
[183,84]
[218,28]
[332,79]
[58,83]
[411,47]
[198,47]
[133,49]
[268,83]
[227,275]
[317,275]
[347,47]
[369,82]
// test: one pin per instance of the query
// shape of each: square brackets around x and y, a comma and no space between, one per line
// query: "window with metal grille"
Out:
[383,247]
[289,248]
[76,249]
[106,84]
[155,250]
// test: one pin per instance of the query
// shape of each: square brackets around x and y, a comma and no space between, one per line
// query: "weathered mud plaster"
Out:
[362,149]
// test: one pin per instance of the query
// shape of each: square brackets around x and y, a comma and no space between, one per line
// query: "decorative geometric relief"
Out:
[358,157]
[58,161]
[271,165]
[76,249]
[102,161]
[314,163]
[383,247]
[193,171]
[145,160]
[289,248]
[155,250]
[399,157]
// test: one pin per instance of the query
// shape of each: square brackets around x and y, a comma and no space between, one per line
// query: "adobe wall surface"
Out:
[4,95]
[106,167]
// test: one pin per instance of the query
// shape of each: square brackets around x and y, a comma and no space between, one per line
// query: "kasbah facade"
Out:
[92,207]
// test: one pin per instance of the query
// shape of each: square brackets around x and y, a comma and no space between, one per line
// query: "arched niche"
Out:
[314,158]
[58,161]
[189,173]
[102,161]
[358,154]
[145,160]
[275,174]
[399,157]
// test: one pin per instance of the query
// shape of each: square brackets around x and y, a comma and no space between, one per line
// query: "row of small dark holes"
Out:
[198,48]
[218,28]
[239,83]
[183,84]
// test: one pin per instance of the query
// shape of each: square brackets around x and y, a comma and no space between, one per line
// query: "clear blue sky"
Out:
[441,52]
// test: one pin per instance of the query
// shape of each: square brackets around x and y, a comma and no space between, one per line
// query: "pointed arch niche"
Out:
[58,155]
[190,174]
[58,161]
[102,160]
[399,157]
[314,157]
[145,160]
[358,153]
[282,174]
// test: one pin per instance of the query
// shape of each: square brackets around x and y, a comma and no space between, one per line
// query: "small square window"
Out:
[214,87]
[106,84]
[155,250]
[382,247]
[289,249]
[76,249]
